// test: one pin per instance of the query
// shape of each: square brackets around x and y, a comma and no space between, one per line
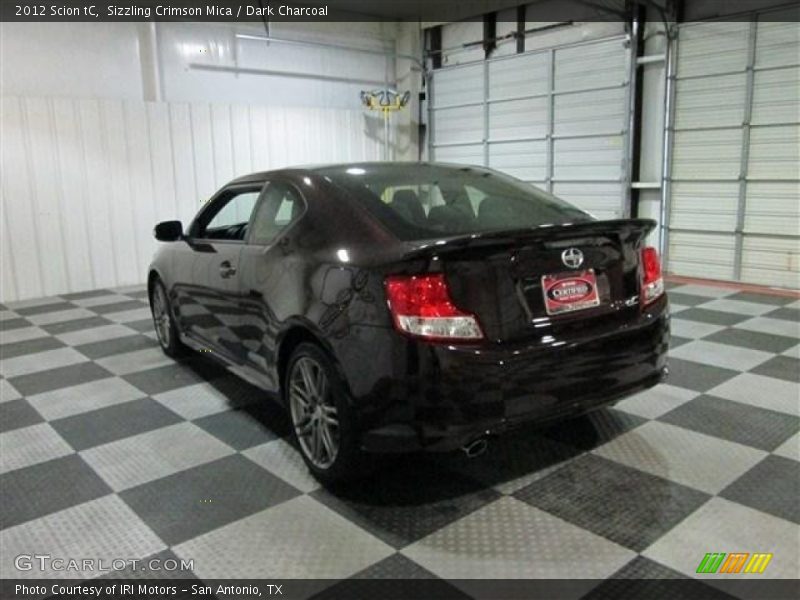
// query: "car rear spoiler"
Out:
[625,229]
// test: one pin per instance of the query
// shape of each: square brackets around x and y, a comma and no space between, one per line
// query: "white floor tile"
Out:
[127,316]
[509,539]
[103,529]
[40,361]
[21,334]
[195,401]
[29,446]
[739,306]
[700,461]
[281,459]
[761,391]
[60,316]
[68,401]
[790,448]
[95,334]
[297,539]
[710,291]
[133,362]
[725,356]
[8,392]
[692,329]
[773,326]
[148,456]
[656,401]
[724,526]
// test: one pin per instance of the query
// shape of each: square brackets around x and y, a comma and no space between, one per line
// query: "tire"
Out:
[164,322]
[317,402]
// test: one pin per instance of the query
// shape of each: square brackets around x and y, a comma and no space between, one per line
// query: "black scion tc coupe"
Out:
[411,306]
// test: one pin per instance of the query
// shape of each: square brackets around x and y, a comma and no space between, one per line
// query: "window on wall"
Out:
[229,216]
[281,206]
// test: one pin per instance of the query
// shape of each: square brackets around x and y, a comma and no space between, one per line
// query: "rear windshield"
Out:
[420,201]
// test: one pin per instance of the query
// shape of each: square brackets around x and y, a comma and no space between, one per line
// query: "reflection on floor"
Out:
[110,447]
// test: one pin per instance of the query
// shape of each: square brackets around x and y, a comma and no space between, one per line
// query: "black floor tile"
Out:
[394,578]
[198,500]
[643,578]
[128,343]
[75,325]
[688,299]
[593,430]
[695,376]
[677,341]
[87,294]
[40,344]
[762,298]
[140,294]
[104,425]
[408,500]
[142,326]
[786,313]
[104,309]
[47,487]
[246,427]
[734,421]
[753,340]
[780,367]
[17,413]
[625,505]
[9,324]
[516,454]
[715,317]
[45,308]
[46,381]
[772,486]
[163,379]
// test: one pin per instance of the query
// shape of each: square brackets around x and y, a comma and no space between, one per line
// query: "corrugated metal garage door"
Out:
[735,171]
[556,118]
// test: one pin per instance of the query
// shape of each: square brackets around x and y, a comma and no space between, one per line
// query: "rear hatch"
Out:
[544,282]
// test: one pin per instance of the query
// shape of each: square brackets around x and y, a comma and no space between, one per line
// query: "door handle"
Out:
[226,270]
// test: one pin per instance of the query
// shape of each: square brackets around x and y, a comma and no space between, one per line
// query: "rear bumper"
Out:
[446,396]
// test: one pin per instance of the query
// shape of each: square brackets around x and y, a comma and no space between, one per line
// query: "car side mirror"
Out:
[168,231]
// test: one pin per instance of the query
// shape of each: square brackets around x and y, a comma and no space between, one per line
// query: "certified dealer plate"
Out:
[567,292]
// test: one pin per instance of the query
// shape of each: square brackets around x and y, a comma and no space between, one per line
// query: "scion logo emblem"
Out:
[572,257]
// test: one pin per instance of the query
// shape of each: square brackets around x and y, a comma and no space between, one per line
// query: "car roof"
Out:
[312,169]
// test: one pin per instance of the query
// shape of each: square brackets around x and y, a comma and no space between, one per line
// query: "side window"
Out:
[281,207]
[229,219]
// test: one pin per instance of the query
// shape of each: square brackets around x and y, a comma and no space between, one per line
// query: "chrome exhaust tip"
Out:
[475,448]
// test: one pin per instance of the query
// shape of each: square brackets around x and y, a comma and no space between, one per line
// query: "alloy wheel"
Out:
[313,412]
[161,316]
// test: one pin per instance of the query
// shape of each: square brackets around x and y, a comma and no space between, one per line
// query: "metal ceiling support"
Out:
[328,46]
[520,29]
[489,34]
[741,204]
[630,196]
[485,113]
[435,50]
[667,147]
[551,121]
[429,125]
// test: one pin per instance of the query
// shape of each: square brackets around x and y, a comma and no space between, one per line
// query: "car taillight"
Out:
[652,282]
[421,307]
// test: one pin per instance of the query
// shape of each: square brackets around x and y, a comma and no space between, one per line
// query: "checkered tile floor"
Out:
[111,450]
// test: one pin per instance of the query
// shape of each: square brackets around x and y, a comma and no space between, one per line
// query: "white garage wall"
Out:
[85,180]
[556,118]
[735,177]
[108,128]
[174,62]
